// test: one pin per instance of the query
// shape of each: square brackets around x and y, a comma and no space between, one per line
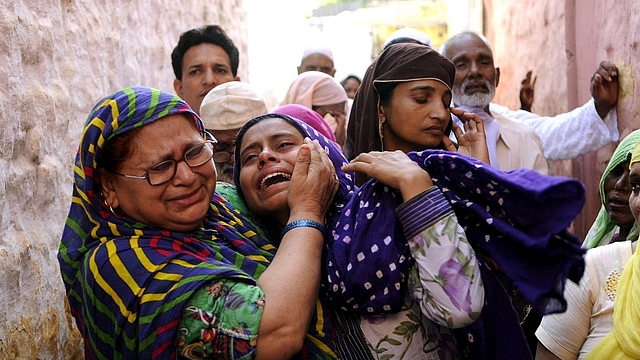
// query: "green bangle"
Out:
[303,223]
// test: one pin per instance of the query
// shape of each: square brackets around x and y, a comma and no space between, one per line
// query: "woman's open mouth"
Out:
[273,179]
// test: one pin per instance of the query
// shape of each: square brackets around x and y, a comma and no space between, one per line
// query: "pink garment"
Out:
[308,116]
[315,88]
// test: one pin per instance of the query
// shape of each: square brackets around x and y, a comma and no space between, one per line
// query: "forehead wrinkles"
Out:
[175,135]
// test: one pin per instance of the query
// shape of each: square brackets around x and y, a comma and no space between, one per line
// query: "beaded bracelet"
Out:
[303,223]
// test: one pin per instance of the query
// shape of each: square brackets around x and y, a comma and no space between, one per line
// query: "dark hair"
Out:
[117,149]
[243,130]
[351,77]
[385,91]
[208,34]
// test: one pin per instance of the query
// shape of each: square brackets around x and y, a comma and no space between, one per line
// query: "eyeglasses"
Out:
[224,151]
[164,171]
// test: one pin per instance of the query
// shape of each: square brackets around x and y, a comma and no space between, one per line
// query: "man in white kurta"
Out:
[564,136]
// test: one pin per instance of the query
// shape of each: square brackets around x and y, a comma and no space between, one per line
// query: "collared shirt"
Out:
[518,146]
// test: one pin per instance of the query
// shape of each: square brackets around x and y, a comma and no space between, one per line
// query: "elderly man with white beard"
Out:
[586,128]
[512,145]
[564,136]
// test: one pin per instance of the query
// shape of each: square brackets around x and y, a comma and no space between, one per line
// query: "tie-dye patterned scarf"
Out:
[519,220]
[127,282]
[366,275]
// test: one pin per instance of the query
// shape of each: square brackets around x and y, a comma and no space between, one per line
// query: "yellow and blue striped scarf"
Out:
[127,282]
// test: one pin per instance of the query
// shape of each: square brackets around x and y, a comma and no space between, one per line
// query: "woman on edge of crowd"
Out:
[157,265]
[615,221]
[623,343]
[590,304]
[403,104]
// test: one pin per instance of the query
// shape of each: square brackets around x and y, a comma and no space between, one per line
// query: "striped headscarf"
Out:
[603,228]
[127,282]
[623,341]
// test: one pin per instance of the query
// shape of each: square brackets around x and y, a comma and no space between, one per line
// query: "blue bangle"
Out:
[303,223]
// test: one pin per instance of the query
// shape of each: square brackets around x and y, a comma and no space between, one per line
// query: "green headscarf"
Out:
[603,228]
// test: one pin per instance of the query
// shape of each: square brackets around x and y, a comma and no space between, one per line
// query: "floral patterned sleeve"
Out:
[221,321]
[445,278]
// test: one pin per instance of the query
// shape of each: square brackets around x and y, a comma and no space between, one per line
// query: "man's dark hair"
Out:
[211,34]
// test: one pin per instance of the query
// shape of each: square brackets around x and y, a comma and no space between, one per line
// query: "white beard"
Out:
[478,99]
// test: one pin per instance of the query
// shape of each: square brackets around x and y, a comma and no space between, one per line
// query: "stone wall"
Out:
[58,58]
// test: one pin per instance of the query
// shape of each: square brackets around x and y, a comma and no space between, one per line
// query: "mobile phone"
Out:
[447,133]
[447,130]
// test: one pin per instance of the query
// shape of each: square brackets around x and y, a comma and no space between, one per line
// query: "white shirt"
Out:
[570,134]
[589,315]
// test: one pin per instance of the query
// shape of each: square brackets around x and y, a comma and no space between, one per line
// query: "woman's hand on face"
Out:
[472,141]
[394,169]
[313,183]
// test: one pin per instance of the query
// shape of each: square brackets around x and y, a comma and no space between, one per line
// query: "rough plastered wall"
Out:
[563,42]
[59,58]
[529,36]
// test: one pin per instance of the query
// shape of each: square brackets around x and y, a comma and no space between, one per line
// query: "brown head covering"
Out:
[398,63]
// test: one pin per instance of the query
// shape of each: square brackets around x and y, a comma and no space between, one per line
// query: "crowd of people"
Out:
[397,215]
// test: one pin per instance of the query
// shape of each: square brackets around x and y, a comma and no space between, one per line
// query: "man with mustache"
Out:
[564,136]
[512,145]
[317,58]
[204,58]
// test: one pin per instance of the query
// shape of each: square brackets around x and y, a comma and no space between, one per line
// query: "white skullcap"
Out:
[322,50]
[408,33]
[230,105]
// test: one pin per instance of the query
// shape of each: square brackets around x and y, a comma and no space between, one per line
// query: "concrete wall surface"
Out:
[563,42]
[58,59]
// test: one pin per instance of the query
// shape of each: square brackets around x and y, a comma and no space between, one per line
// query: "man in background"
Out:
[317,58]
[564,136]
[223,111]
[204,58]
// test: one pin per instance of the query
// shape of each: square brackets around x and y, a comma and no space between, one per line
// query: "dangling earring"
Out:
[380,129]
[107,205]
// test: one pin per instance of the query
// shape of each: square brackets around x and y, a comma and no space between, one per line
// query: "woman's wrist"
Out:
[303,223]
[414,183]
[306,214]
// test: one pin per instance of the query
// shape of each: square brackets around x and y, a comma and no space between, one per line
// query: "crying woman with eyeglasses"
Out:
[157,265]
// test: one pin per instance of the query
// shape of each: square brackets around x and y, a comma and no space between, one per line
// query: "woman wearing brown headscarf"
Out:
[403,104]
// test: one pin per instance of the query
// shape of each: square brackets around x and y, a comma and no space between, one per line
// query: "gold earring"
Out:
[109,206]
